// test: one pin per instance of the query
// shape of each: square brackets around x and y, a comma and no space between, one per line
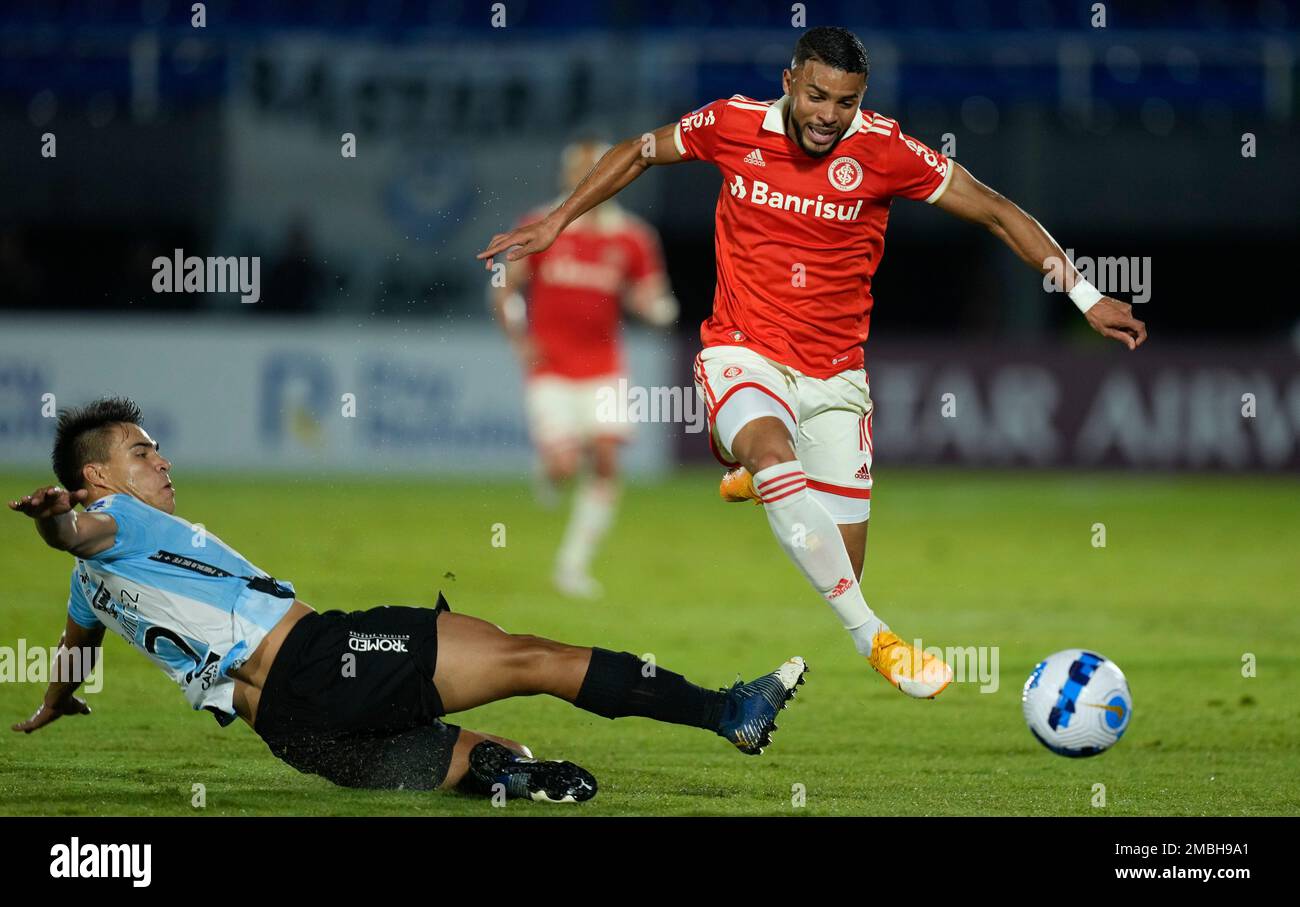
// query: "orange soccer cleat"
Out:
[738,485]
[913,671]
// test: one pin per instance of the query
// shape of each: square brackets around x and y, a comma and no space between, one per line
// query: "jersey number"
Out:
[201,666]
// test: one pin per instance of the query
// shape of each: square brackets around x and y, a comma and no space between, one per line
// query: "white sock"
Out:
[593,512]
[809,536]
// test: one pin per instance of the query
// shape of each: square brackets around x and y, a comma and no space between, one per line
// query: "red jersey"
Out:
[575,289]
[798,238]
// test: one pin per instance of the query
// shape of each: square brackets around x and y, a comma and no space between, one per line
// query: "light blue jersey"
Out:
[189,602]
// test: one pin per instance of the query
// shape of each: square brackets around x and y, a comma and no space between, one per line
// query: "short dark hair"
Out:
[837,47]
[82,436]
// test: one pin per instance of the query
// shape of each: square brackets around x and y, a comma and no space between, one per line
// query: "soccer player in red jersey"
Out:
[561,311]
[807,185]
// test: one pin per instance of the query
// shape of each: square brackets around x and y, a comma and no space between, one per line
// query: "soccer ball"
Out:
[1077,703]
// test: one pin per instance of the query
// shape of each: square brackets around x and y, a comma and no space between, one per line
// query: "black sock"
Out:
[616,686]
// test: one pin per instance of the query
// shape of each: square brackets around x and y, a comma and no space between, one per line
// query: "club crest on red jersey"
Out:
[844,173]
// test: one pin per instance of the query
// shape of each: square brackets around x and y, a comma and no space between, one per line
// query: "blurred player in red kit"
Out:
[808,181]
[561,310]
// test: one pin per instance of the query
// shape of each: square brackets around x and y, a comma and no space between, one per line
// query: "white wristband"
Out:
[1085,295]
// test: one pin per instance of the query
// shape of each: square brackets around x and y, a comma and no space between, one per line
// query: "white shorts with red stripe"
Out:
[829,420]
[573,411]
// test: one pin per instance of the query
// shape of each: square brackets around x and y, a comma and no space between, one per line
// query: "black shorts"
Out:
[350,697]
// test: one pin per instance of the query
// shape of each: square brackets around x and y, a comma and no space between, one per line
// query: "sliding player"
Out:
[355,697]
[807,185]
[566,336]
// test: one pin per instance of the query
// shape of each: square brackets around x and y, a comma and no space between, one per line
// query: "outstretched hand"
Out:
[1114,319]
[69,705]
[527,240]
[48,502]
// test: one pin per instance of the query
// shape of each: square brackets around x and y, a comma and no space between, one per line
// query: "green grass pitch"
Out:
[1196,573]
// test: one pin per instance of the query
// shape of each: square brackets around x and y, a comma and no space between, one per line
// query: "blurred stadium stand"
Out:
[1124,140]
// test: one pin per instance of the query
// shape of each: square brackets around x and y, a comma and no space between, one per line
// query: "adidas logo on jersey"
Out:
[755,157]
[863,473]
